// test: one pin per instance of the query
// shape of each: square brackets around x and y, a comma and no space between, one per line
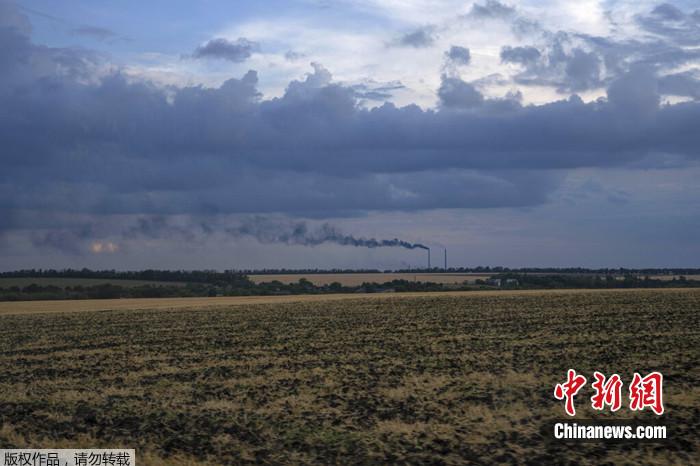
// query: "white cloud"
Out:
[357,54]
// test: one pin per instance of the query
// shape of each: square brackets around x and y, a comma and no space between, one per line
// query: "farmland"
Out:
[442,378]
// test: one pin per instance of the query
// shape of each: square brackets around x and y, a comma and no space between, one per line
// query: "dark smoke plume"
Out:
[263,229]
[298,233]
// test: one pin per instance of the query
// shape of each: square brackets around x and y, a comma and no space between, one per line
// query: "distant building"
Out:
[501,282]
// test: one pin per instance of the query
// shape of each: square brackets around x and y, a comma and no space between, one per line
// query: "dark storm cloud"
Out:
[236,51]
[636,92]
[582,70]
[575,62]
[12,17]
[70,241]
[458,55]
[73,143]
[685,84]
[492,9]
[568,63]
[291,55]
[423,37]
[159,227]
[373,90]
[455,93]
[669,21]
[521,55]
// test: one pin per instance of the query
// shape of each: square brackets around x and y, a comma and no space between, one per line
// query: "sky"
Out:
[281,134]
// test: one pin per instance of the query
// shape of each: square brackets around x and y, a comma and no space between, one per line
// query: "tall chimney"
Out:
[428,258]
[445,259]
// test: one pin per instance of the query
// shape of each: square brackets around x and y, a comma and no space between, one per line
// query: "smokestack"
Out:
[445,259]
[428,258]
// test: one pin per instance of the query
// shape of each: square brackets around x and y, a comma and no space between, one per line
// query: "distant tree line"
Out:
[307,271]
[229,277]
[230,283]
[486,270]
[530,281]
[558,270]
[211,276]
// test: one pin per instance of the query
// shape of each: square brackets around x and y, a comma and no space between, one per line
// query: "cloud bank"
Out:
[80,138]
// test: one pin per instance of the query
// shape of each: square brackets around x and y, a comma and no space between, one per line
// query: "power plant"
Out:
[445,264]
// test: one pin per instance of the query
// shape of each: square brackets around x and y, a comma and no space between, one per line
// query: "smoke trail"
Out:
[298,233]
[263,229]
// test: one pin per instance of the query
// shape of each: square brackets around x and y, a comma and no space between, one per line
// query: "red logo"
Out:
[569,389]
[647,391]
[606,393]
[644,392]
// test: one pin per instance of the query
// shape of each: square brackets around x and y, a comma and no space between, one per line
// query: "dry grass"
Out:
[138,304]
[446,378]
